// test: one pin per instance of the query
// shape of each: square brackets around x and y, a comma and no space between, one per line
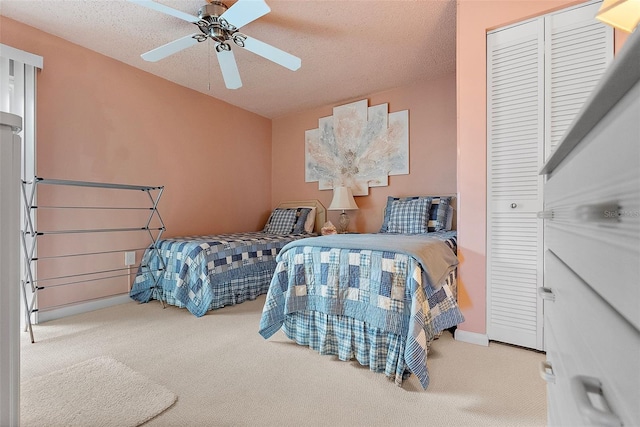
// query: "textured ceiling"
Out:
[349,48]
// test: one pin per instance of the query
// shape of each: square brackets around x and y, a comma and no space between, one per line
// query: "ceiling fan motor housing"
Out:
[215,8]
[214,28]
[210,13]
[217,28]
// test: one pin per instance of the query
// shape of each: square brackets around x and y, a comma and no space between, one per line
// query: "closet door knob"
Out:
[514,205]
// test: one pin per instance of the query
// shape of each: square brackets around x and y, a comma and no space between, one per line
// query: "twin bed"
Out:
[380,298]
[204,273]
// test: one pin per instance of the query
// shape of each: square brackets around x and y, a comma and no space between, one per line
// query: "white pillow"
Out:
[449,223]
[311,219]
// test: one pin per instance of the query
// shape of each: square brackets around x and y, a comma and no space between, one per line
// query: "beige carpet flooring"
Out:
[225,374]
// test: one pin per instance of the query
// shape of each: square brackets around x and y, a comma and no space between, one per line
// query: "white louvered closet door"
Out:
[515,120]
[578,50]
[539,74]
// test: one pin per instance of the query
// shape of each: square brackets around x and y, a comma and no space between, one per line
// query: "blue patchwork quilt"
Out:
[394,283]
[203,273]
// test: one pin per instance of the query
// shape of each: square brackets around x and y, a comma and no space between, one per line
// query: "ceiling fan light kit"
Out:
[216,28]
[220,23]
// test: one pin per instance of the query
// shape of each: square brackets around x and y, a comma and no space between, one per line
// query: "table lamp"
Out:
[343,201]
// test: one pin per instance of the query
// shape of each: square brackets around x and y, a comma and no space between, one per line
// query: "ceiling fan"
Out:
[220,23]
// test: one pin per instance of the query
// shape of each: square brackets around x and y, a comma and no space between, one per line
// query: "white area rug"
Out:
[96,392]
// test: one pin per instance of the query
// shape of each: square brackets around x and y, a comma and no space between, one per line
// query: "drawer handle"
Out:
[602,212]
[545,214]
[546,294]
[546,372]
[581,386]
[514,205]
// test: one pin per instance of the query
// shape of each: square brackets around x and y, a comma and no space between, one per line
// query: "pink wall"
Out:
[432,151]
[474,19]
[102,120]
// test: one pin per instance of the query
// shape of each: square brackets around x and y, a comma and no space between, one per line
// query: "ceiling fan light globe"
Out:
[239,38]
[220,47]
[225,24]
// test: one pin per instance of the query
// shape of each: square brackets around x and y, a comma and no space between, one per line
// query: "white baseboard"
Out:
[472,337]
[83,307]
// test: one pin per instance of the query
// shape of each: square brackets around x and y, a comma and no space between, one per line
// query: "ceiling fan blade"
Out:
[169,48]
[272,53]
[244,11]
[229,69]
[166,9]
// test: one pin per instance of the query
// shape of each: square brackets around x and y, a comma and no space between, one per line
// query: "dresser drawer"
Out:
[594,340]
[592,208]
[561,410]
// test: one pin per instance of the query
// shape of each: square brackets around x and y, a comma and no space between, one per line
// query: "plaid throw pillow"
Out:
[409,216]
[301,219]
[281,221]
[387,209]
[438,213]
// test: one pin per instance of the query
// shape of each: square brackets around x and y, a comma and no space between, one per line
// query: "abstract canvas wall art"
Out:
[357,147]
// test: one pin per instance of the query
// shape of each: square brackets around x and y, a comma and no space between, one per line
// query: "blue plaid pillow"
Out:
[301,214]
[438,213]
[387,209]
[281,221]
[409,216]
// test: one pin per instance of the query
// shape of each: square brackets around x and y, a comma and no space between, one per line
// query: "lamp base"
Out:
[343,223]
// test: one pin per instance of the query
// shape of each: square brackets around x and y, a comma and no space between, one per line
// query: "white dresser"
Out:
[591,287]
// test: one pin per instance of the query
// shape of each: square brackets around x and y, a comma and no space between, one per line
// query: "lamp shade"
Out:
[342,199]
[622,14]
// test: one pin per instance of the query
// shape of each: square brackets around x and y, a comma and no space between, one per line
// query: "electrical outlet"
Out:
[129,258]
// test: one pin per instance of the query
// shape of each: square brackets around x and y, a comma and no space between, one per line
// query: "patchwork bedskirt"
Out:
[350,339]
[202,273]
[230,292]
